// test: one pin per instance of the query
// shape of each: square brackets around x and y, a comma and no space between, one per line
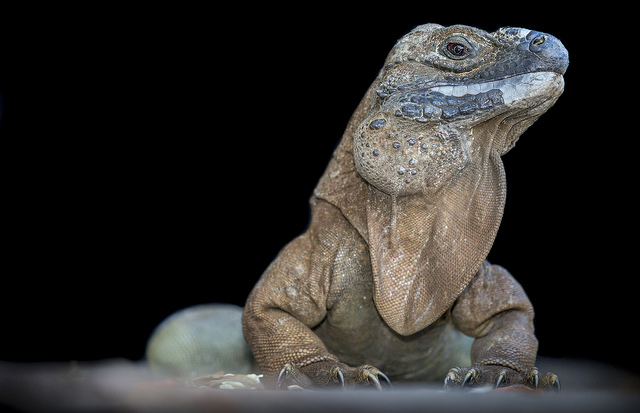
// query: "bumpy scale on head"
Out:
[402,161]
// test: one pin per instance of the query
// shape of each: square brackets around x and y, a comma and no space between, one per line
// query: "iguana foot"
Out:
[331,374]
[498,376]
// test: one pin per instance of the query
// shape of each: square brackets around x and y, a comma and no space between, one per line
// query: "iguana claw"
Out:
[532,378]
[336,372]
[292,377]
[471,377]
[372,375]
[550,381]
[502,377]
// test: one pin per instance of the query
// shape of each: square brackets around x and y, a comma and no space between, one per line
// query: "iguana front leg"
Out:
[300,359]
[287,348]
[291,298]
[495,309]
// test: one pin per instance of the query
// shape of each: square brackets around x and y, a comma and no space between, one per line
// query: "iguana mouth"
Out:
[437,100]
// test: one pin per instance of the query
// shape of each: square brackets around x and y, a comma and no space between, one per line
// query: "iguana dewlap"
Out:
[390,282]
[391,274]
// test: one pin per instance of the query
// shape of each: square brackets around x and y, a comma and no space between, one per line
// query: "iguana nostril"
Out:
[539,40]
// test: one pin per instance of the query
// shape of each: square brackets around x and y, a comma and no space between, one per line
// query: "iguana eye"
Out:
[457,49]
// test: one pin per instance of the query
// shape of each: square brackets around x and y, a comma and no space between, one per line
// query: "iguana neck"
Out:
[425,250]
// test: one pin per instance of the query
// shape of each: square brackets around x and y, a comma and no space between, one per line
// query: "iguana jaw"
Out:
[529,103]
[469,102]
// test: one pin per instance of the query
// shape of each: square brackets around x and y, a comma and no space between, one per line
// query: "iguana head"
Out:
[440,87]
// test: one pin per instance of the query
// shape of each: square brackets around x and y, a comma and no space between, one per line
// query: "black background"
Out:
[156,158]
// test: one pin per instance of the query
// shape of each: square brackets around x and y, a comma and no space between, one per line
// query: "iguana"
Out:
[390,281]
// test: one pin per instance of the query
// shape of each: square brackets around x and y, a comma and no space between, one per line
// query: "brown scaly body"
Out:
[390,279]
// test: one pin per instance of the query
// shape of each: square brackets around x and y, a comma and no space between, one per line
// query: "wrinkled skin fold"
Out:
[390,280]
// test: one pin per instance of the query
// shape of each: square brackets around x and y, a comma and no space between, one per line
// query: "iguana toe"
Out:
[291,377]
[550,381]
[498,376]
[534,379]
[370,375]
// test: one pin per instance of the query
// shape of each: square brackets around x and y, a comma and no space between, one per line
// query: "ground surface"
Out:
[121,385]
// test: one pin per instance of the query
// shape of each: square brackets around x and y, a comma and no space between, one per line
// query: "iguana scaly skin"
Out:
[390,278]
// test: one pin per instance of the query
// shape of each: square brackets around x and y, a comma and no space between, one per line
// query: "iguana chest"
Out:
[355,331]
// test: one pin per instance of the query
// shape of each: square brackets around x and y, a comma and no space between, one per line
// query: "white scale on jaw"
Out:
[512,87]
